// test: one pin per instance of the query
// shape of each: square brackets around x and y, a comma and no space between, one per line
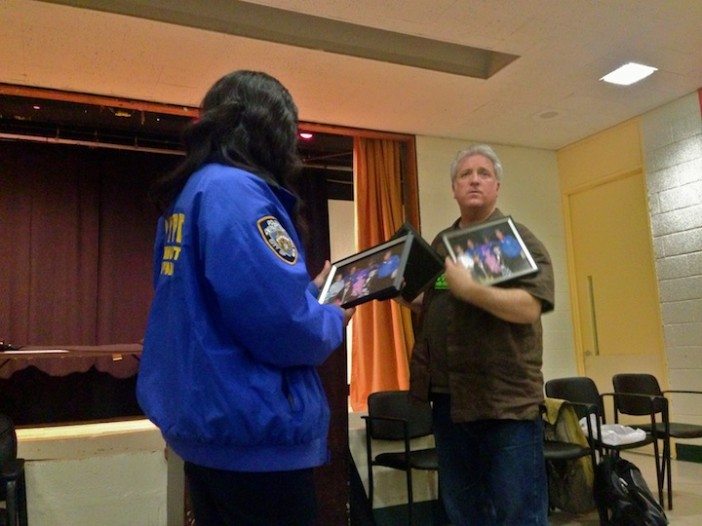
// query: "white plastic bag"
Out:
[614,434]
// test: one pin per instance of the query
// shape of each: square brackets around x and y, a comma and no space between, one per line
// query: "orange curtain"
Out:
[382,330]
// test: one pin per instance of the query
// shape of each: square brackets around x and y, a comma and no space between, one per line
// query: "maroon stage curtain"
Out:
[76,231]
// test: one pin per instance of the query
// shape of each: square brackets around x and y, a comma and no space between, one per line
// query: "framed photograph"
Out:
[423,266]
[375,273]
[493,251]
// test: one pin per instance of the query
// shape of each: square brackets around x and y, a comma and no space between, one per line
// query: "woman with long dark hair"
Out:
[235,329]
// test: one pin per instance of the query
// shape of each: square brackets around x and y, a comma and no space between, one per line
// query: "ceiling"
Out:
[548,97]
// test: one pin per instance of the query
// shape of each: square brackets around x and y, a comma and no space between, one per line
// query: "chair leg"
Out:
[370,484]
[22,501]
[548,487]
[11,502]
[369,463]
[440,518]
[410,499]
[666,457]
[660,470]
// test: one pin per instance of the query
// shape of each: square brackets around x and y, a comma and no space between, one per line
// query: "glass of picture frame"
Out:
[493,251]
[375,273]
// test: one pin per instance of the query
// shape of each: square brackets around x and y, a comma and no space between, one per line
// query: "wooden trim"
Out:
[89,144]
[410,184]
[410,188]
[589,185]
[354,132]
[573,284]
[97,100]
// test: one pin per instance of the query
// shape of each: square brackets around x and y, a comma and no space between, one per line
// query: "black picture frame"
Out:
[423,266]
[364,277]
[494,251]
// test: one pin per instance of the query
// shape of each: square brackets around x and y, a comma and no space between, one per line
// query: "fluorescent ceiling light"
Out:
[628,74]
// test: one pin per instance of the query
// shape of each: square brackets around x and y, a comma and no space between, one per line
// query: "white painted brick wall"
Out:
[672,140]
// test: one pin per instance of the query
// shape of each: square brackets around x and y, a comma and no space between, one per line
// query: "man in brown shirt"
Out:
[479,358]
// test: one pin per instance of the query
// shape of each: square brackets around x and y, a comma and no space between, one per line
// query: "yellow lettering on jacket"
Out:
[174,238]
[167,268]
[171,252]
[174,228]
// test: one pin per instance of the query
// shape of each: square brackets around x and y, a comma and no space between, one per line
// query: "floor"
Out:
[687,494]
[687,499]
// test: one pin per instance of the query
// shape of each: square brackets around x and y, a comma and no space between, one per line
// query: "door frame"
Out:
[577,316]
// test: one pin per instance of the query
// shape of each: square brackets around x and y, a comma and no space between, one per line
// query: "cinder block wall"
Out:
[672,141]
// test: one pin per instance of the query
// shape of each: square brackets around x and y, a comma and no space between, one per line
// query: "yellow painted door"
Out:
[617,297]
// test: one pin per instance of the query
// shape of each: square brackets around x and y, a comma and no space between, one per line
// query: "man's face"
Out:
[476,187]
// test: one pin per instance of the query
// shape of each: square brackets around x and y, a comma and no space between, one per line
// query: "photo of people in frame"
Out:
[494,252]
[374,273]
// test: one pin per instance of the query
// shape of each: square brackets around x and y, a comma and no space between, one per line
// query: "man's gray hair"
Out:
[477,149]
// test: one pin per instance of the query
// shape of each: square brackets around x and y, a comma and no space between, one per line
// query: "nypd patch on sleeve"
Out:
[277,239]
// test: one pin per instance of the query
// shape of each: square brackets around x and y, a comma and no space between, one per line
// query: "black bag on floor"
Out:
[622,496]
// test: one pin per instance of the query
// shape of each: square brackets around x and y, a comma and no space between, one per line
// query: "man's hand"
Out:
[510,304]
[322,276]
[348,314]
[459,280]
[319,283]
[415,305]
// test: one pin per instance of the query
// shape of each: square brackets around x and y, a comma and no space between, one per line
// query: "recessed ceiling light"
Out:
[628,74]
[306,135]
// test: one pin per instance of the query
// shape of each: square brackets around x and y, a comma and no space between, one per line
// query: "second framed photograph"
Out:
[493,251]
[424,265]
[376,273]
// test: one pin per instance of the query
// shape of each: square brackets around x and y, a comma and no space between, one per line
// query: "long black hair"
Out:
[248,119]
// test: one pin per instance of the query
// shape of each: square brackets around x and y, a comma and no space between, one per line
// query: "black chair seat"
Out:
[418,459]
[677,430]
[630,445]
[12,469]
[564,450]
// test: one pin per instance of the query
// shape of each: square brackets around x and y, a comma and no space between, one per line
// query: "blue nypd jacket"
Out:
[235,330]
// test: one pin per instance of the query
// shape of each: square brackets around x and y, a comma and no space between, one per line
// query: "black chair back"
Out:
[583,390]
[399,405]
[394,415]
[637,383]
[578,389]
[12,480]
[8,440]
